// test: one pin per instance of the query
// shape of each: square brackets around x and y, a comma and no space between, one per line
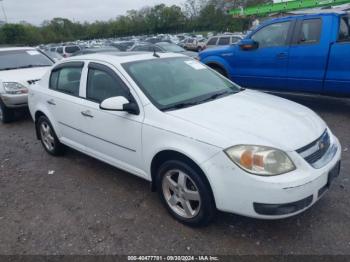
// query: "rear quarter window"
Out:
[212,41]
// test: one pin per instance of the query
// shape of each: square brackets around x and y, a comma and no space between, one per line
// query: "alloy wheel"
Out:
[47,136]
[181,193]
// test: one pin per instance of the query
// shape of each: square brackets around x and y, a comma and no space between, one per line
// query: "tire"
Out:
[48,137]
[199,49]
[190,202]
[6,114]
[220,70]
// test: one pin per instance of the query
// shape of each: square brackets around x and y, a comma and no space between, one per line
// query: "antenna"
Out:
[155,53]
[3,10]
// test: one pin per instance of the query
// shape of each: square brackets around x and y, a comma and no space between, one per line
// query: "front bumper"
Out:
[274,197]
[15,101]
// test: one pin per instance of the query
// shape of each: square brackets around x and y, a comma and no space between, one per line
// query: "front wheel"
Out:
[6,114]
[185,193]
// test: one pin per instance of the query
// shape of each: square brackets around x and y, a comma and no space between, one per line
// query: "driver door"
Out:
[264,67]
[112,136]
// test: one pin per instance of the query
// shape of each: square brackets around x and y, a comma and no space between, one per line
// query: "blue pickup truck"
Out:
[302,53]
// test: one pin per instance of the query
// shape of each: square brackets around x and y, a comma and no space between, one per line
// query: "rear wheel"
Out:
[6,114]
[48,137]
[185,193]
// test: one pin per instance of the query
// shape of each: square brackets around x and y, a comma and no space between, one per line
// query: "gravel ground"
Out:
[77,205]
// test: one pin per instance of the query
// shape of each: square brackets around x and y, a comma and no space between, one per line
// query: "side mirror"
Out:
[119,103]
[248,44]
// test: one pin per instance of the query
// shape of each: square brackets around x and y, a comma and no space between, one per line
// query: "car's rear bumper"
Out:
[15,101]
[236,191]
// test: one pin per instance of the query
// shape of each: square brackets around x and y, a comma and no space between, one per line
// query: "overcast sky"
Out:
[36,11]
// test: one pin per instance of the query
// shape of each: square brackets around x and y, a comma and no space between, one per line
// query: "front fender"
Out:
[219,61]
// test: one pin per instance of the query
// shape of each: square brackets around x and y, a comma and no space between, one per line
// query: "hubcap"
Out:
[181,193]
[47,136]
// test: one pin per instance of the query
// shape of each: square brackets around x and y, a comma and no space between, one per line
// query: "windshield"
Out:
[172,83]
[172,48]
[23,59]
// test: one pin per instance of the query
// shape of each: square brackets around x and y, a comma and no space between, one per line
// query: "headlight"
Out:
[260,160]
[14,88]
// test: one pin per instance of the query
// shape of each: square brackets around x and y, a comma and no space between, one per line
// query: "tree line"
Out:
[194,15]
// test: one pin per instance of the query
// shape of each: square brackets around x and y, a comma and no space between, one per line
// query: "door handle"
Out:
[51,102]
[281,55]
[87,113]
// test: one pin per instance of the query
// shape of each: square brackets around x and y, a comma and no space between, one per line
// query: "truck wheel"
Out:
[220,70]
[6,114]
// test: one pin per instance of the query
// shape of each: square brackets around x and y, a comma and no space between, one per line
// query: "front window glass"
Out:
[173,82]
[23,59]
[272,35]
[102,85]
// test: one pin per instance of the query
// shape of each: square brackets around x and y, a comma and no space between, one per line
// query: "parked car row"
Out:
[204,142]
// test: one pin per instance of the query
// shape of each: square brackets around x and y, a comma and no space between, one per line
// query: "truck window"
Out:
[344,29]
[310,31]
[272,35]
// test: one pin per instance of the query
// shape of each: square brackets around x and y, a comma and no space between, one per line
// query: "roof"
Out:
[15,48]
[123,57]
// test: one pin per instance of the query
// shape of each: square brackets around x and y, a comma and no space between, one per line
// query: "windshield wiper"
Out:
[181,105]
[217,95]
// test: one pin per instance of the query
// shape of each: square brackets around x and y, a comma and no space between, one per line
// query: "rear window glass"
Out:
[344,29]
[72,49]
[224,41]
[310,31]
[23,59]
[66,80]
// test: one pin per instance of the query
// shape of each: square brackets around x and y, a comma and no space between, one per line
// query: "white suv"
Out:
[202,141]
[20,67]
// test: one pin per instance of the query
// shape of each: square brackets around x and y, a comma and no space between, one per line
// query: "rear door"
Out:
[309,54]
[266,66]
[338,74]
[64,102]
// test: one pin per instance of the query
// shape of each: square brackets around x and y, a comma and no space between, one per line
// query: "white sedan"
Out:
[204,143]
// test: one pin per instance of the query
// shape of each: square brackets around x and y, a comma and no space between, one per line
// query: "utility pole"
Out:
[3,9]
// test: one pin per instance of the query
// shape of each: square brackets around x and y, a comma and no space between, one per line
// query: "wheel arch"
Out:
[42,112]
[170,154]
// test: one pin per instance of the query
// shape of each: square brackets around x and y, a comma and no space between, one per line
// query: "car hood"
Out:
[251,117]
[23,75]
[189,53]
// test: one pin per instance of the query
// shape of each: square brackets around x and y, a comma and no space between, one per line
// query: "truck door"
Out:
[337,80]
[266,66]
[309,54]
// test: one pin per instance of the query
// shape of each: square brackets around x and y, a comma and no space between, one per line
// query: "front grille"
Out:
[317,149]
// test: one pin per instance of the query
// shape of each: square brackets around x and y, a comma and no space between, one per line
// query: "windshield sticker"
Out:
[195,65]
[33,52]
